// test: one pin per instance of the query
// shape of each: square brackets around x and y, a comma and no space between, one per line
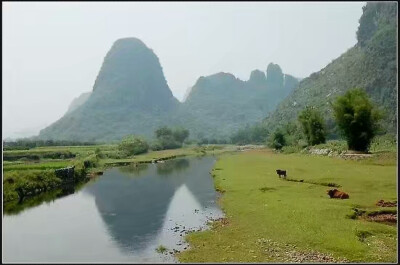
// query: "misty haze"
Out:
[200,132]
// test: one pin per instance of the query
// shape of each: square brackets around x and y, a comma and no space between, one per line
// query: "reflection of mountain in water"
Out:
[133,209]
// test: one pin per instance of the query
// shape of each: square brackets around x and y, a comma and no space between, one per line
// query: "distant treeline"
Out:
[24,144]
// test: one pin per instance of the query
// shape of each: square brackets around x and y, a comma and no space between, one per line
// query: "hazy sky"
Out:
[52,52]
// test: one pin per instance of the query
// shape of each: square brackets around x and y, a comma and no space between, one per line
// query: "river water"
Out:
[121,216]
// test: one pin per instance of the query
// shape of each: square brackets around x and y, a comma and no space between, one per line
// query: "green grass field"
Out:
[273,220]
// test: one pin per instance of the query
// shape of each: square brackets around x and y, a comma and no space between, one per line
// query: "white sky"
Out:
[52,52]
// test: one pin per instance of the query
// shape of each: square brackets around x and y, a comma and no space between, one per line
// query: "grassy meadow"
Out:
[269,219]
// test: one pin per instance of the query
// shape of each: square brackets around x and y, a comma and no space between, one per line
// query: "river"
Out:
[121,216]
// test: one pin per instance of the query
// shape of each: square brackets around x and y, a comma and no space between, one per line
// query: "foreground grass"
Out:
[269,217]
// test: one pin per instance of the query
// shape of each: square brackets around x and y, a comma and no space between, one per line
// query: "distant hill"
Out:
[131,96]
[222,103]
[370,65]
[78,101]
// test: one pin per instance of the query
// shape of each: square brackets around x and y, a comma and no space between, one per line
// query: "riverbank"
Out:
[33,170]
[269,219]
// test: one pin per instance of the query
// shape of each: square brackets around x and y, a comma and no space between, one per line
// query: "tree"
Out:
[277,140]
[357,118]
[313,125]
[180,134]
[170,139]
[163,131]
[133,145]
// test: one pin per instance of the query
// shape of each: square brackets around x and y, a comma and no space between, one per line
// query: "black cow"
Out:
[281,172]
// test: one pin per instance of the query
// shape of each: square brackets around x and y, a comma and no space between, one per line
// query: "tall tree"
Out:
[357,118]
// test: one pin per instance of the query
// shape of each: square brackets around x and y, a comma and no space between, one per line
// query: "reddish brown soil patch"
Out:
[383,218]
[382,203]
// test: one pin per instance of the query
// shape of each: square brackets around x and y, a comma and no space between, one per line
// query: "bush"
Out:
[169,139]
[337,146]
[255,134]
[313,125]
[277,140]
[133,145]
[156,146]
[28,183]
[386,142]
[180,134]
[289,149]
[357,118]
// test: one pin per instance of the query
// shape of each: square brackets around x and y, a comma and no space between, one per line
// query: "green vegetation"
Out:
[256,134]
[30,182]
[132,145]
[384,143]
[209,115]
[370,65]
[313,125]
[337,146]
[169,139]
[277,140]
[25,144]
[357,118]
[161,249]
[269,219]
[35,176]
[136,84]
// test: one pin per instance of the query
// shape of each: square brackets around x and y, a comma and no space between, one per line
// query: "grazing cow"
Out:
[281,172]
[337,194]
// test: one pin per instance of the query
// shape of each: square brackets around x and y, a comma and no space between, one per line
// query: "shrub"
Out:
[385,142]
[161,249]
[289,149]
[133,145]
[277,140]
[313,125]
[169,139]
[357,118]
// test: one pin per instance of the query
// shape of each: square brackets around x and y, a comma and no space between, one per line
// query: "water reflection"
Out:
[16,207]
[134,209]
[122,216]
[170,166]
[134,170]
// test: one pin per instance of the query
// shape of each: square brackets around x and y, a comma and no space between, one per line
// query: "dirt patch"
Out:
[355,156]
[223,221]
[388,218]
[289,253]
[313,256]
[384,216]
[382,203]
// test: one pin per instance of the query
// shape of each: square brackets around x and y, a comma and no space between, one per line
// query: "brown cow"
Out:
[337,194]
